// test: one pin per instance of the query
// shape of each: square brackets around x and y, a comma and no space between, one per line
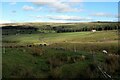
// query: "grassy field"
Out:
[67,55]
[73,37]
[22,63]
[97,41]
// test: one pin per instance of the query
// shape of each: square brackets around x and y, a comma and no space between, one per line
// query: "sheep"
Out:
[93,30]
[104,51]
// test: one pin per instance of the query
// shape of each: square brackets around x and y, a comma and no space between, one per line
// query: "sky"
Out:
[57,11]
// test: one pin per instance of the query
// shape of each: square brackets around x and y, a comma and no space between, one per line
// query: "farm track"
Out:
[112,41]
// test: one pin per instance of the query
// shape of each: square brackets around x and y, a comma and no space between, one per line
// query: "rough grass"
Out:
[59,59]
[20,63]
[111,47]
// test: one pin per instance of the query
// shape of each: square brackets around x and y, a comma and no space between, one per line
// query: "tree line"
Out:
[9,30]
[76,28]
[60,28]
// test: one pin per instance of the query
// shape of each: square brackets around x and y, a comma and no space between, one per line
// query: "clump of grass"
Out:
[37,51]
[75,70]
[111,63]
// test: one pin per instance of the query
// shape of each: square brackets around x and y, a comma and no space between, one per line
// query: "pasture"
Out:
[71,37]
[63,55]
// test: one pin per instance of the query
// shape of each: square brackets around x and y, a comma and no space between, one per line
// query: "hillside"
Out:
[58,50]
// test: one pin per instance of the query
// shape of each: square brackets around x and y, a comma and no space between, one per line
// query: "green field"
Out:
[65,55]
[73,37]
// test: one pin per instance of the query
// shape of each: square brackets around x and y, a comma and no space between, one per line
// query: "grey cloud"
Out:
[68,18]
[64,18]
[104,15]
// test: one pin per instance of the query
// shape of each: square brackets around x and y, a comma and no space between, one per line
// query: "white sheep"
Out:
[93,30]
[104,51]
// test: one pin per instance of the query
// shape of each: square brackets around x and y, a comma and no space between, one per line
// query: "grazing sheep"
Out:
[93,30]
[104,51]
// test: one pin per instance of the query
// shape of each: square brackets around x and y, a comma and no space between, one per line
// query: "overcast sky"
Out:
[58,11]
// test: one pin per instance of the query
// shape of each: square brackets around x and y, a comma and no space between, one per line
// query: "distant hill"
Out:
[62,27]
